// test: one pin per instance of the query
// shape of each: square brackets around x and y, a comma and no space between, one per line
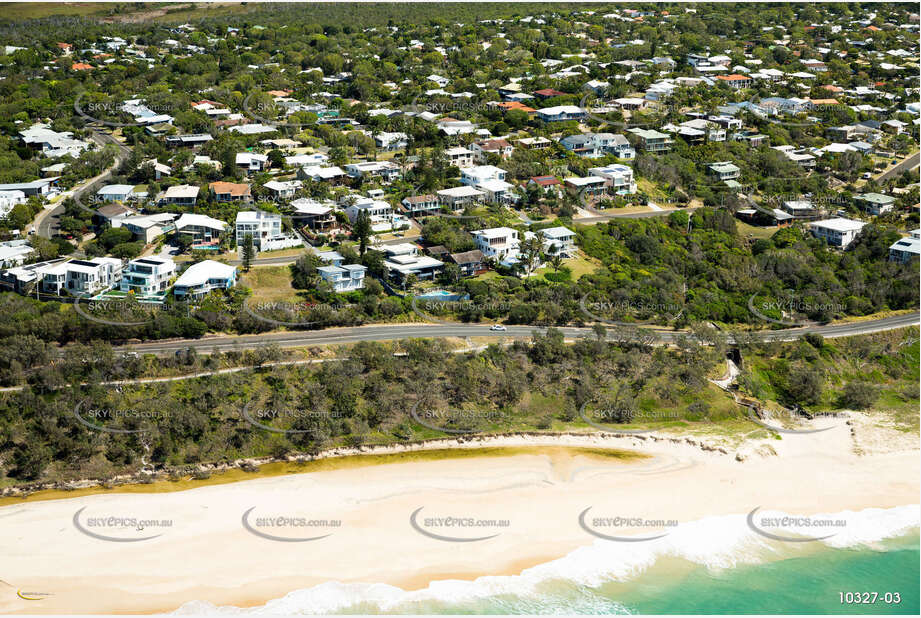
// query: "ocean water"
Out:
[712,566]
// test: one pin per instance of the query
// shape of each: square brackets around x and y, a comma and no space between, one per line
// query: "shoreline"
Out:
[134,483]
[540,488]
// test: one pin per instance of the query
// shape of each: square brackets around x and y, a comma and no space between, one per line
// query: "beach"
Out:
[421,525]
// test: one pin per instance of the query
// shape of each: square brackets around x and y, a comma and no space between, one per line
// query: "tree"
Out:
[530,252]
[248,251]
[362,231]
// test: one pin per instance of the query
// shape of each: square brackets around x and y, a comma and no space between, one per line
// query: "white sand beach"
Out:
[207,554]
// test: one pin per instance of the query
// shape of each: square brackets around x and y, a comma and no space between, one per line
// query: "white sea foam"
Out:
[714,542]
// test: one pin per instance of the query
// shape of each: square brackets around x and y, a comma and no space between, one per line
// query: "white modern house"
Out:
[283,189]
[344,278]
[490,180]
[459,156]
[385,170]
[261,225]
[83,277]
[266,230]
[837,232]
[202,228]
[14,253]
[252,162]
[203,277]
[147,276]
[558,241]
[618,178]
[499,243]
[8,199]
[457,198]
[380,213]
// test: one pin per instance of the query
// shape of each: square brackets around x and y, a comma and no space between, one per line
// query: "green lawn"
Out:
[270,283]
[746,230]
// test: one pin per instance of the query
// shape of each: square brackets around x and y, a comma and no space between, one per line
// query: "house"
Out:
[651,140]
[453,126]
[735,81]
[23,279]
[333,258]
[262,226]
[548,93]
[471,263]
[499,147]
[189,141]
[420,205]
[181,195]
[314,215]
[546,183]
[51,143]
[630,103]
[558,241]
[332,175]
[837,232]
[203,229]
[231,192]
[201,278]
[115,193]
[15,253]
[252,162]
[618,178]
[110,212]
[391,141]
[344,278]
[379,213]
[42,187]
[490,180]
[588,185]
[618,146]
[8,199]
[159,169]
[894,126]
[473,176]
[283,189]
[724,170]
[460,156]
[798,208]
[146,228]
[561,113]
[875,203]
[582,145]
[385,170]
[534,143]
[498,243]
[753,138]
[457,198]
[82,277]
[905,250]
[147,276]
[403,261]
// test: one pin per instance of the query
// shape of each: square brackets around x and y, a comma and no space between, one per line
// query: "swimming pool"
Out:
[444,295]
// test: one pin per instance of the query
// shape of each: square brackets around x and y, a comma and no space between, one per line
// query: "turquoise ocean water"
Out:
[713,566]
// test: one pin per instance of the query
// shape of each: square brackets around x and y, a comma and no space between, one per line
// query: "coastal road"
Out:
[297,339]
[908,164]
